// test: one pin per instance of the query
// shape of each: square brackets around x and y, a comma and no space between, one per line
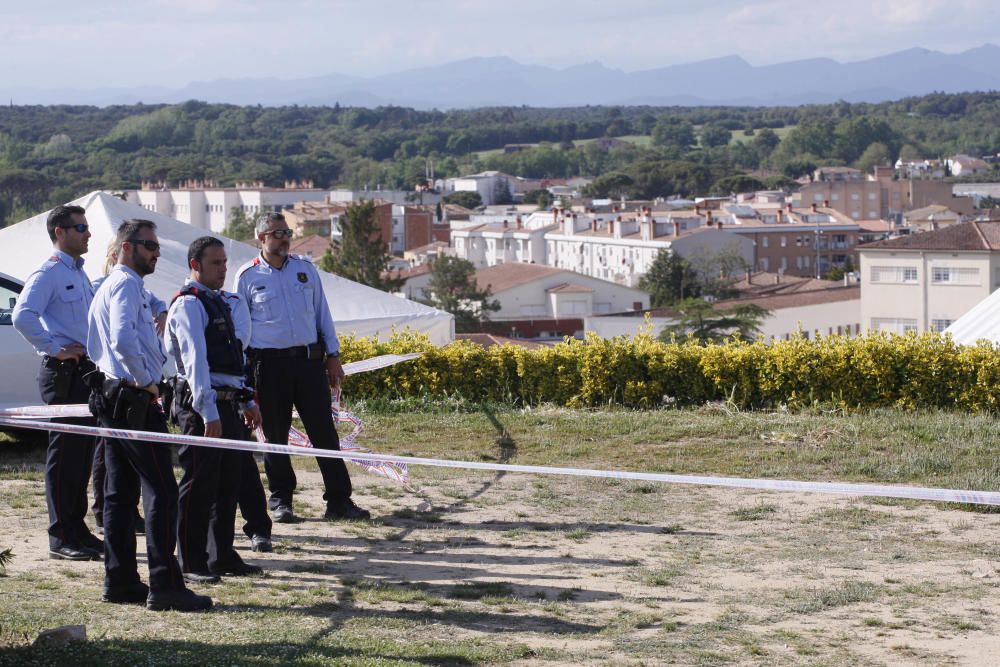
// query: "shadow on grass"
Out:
[315,652]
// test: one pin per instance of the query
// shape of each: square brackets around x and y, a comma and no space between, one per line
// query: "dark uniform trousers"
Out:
[282,383]
[131,464]
[209,490]
[67,464]
[252,501]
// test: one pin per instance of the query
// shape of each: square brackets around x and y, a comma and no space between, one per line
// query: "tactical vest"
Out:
[225,352]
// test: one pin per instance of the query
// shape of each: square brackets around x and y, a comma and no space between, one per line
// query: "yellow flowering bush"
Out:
[909,371]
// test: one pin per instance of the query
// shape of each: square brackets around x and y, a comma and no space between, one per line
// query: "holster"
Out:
[128,404]
[63,370]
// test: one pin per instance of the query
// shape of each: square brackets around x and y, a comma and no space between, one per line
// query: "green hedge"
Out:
[878,370]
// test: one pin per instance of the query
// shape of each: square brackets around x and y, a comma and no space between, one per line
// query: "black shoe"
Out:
[75,552]
[261,544]
[203,577]
[133,594]
[178,600]
[283,514]
[239,569]
[93,543]
[346,510]
[139,524]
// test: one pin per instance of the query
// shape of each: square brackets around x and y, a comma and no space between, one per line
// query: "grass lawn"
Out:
[470,568]
[738,135]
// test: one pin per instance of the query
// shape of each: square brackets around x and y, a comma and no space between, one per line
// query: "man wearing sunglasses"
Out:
[51,313]
[294,355]
[123,343]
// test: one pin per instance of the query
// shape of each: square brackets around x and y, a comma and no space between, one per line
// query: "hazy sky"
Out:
[58,43]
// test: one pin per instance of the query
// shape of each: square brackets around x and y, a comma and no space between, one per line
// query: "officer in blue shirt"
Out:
[99,470]
[212,400]
[51,314]
[295,359]
[122,341]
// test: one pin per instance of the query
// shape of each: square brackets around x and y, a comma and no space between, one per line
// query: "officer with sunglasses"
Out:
[123,343]
[51,314]
[294,357]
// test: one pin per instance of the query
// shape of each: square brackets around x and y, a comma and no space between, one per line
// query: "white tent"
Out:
[982,322]
[356,309]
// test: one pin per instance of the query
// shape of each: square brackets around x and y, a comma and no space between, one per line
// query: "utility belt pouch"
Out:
[168,393]
[64,371]
[135,405]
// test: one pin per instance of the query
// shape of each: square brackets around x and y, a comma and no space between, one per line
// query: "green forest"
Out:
[52,154]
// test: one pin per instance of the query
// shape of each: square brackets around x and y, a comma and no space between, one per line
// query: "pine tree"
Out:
[453,288]
[670,278]
[360,254]
[698,318]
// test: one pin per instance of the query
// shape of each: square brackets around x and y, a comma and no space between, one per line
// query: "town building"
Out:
[881,198]
[924,282]
[796,306]
[204,205]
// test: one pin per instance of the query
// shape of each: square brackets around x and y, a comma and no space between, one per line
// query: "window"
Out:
[855,196]
[764,264]
[764,241]
[893,274]
[8,297]
[532,310]
[784,241]
[940,325]
[893,325]
[573,308]
[835,197]
[602,308]
[817,197]
[943,275]
[871,196]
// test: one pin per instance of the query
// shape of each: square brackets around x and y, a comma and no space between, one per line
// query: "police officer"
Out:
[51,314]
[98,471]
[122,341]
[295,358]
[210,399]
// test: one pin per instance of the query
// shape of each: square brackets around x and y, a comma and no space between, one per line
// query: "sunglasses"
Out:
[80,227]
[280,233]
[151,246]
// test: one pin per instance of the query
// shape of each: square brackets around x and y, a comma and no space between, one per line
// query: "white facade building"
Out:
[924,282]
[211,208]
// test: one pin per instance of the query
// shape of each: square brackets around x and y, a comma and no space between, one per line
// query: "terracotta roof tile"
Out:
[963,236]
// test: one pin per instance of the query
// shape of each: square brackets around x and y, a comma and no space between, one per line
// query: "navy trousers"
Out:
[209,490]
[67,465]
[133,464]
[300,382]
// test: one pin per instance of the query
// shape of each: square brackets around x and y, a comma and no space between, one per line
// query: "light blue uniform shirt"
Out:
[186,322]
[51,311]
[121,337]
[287,306]
[241,316]
[155,304]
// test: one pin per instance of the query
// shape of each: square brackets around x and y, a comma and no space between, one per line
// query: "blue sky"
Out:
[58,43]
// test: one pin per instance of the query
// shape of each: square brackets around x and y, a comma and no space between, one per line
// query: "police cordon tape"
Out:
[885,491]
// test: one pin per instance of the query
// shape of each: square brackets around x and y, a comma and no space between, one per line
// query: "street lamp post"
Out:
[818,233]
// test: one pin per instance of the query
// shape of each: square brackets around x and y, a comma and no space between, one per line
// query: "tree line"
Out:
[51,154]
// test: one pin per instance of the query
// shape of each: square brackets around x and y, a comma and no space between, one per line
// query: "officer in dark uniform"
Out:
[122,341]
[210,399]
[51,314]
[295,359]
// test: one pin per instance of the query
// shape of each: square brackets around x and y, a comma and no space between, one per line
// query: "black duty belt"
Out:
[314,351]
[233,394]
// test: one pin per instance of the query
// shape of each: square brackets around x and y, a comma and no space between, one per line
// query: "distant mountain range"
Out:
[500,81]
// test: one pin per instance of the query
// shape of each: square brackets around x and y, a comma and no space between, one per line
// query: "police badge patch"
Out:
[303,278]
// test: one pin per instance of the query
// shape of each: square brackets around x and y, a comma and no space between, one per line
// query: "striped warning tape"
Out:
[885,491]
